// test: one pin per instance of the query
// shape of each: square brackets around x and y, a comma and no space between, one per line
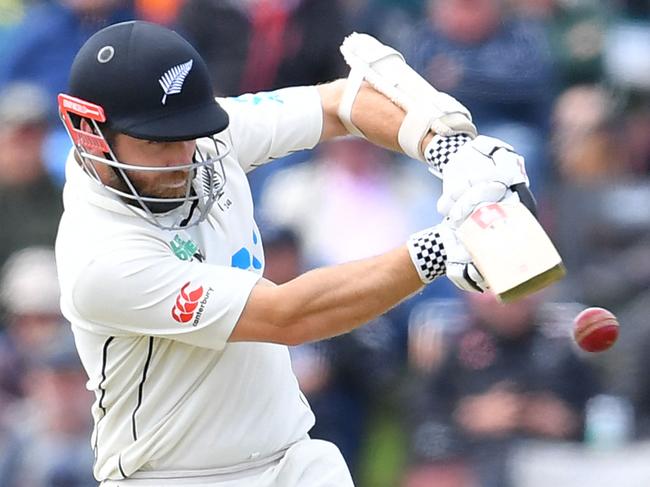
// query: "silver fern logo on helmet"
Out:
[172,81]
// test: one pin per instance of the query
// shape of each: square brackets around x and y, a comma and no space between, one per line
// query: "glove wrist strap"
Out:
[440,149]
[428,254]
[352,86]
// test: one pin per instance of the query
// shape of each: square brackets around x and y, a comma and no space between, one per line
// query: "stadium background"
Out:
[442,391]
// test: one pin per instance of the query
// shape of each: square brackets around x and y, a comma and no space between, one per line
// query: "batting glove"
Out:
[464,163]
[479,194]
[437,251]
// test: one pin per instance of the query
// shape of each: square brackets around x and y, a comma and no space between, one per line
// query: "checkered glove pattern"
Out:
[428,254]
[436,251]
[440,149]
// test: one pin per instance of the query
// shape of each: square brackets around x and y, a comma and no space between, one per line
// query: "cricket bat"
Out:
[506,242]
[510,248]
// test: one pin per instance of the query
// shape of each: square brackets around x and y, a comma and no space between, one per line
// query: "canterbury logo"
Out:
[172,81]
[186,303]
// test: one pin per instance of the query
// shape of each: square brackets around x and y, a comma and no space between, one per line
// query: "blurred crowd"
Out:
[446,390]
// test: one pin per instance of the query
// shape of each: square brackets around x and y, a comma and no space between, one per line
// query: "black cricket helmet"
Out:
[148,82]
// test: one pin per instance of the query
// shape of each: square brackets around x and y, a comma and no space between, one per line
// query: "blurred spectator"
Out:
[44,44]
[635,374]
[576,30]
[31,203]
[11,11]
[497,65]
[257,45]
[282,252]
[603,234]
[639,9]
[158,11]
[41,50]
[29,294]
[50,429]
[602,153]
[501,379]
[627,63]
[577,33]
[636,128]
[354,188]
[344,378]
[391,21]
[610,226]
[584,144]
[536,9]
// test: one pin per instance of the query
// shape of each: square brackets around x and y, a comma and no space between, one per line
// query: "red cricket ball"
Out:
[595,329]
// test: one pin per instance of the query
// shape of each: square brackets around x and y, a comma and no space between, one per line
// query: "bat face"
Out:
[511,250]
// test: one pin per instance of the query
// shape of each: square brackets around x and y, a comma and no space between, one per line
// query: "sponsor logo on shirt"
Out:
[185,249]
[189,306]
[245,257]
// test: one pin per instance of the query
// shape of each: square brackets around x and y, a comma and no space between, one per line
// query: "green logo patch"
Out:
[183,249]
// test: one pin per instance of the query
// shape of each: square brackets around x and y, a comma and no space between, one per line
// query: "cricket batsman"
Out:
[160,261]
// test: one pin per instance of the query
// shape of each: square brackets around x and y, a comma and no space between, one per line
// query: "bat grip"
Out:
[526,197]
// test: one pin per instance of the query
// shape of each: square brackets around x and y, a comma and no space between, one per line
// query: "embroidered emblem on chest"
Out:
[185,249]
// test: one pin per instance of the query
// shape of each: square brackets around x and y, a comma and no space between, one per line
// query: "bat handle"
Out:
[526,197]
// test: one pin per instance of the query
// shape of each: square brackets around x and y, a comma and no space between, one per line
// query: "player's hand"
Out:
[459,266]
[479,194]
[438,250]
[486,162]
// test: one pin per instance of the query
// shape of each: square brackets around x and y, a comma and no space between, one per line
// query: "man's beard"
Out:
[152,190]
[169,188]
[176,188]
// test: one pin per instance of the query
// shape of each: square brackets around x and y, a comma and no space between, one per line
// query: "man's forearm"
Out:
[332,300]
[375,115]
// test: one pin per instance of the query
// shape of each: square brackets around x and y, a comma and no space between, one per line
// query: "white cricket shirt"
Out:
[152,310]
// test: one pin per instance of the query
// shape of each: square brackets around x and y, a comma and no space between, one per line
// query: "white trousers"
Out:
[307,463]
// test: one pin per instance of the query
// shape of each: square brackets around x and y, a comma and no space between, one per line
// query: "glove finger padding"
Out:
[490,192]
[481,160]
[459,267]
[436,251]
[449,197]
[465,276]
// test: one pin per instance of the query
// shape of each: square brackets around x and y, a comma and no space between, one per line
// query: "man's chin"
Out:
[164,197]
[165,193]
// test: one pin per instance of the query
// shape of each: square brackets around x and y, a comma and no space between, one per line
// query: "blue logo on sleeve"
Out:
[245,259]
[257,98]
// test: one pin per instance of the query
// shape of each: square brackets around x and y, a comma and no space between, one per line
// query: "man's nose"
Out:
[181,153]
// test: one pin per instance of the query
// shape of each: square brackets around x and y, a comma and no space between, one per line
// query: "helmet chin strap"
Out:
[193,207]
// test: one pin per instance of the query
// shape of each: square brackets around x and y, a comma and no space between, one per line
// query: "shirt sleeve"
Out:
[147,291]
[268,125]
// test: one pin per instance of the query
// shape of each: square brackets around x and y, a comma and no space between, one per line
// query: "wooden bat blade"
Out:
[511,250]
[534,284]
